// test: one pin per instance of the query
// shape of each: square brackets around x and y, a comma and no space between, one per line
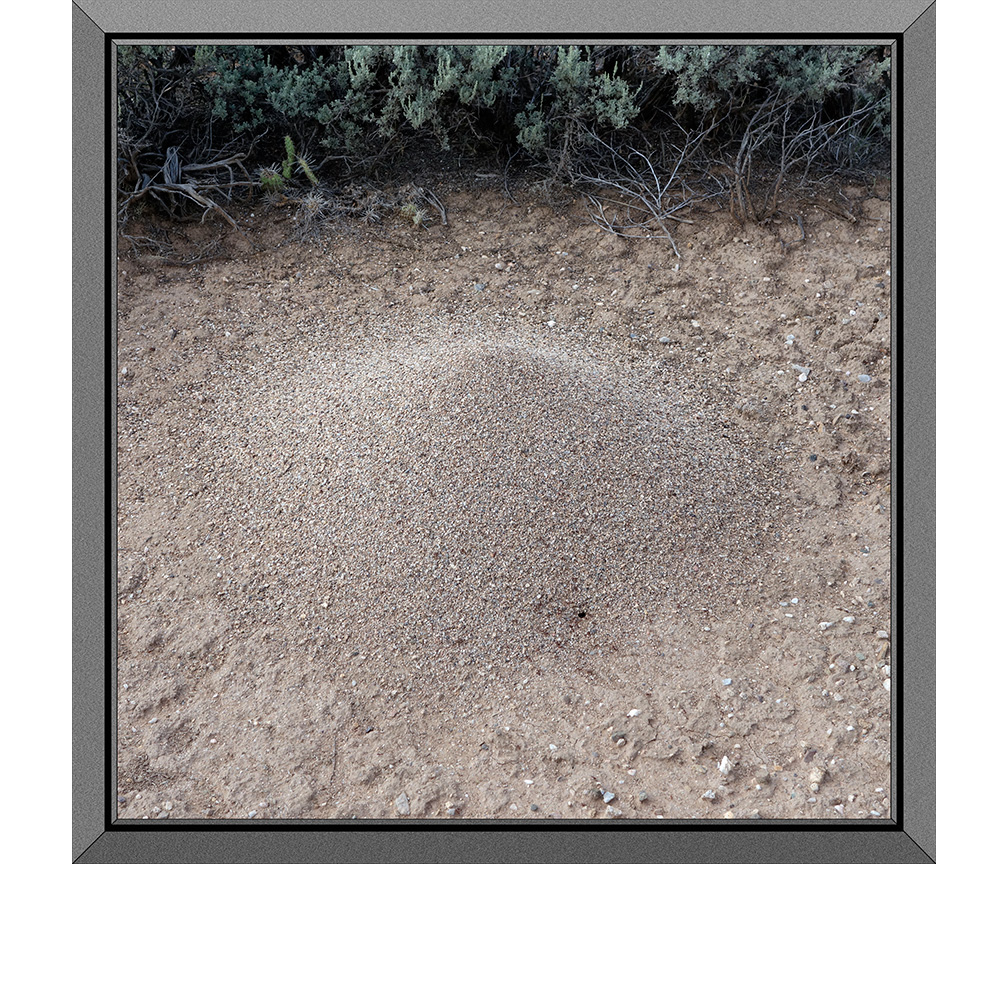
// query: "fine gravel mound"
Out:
[456,501]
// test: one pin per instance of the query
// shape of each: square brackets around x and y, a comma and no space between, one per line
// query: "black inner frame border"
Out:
[896,824]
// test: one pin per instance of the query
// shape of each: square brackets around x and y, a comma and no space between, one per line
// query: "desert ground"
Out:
[508,517]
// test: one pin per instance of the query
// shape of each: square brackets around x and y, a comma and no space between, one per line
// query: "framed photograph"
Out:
[504,443]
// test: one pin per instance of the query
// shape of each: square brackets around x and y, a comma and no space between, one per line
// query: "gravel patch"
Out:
[449,498]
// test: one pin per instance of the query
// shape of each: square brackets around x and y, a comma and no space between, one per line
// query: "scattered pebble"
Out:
[848,619]
[864,378]
[725,766]
[607,796]
[402,804]
[709,796]
[825,626]
[633,713]
[665,340]
[726,682]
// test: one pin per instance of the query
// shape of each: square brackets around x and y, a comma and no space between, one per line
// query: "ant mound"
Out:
[475,503]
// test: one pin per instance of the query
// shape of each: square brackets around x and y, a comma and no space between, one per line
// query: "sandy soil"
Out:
[692,614]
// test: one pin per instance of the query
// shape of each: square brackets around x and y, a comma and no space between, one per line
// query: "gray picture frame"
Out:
[909,837]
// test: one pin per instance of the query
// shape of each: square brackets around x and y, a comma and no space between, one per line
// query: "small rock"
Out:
[402,804]
[726,682]
[864,378]
[731,815]
[882,633]
[825,626]
[534,808]
[251,814]
[168,805]
[163,815]
[551,323]
[709,796]
[633,713]
[498,265]
[724,766]
[479,287]
[642,796]
[607,796]
[665,339]
[848,619]
[621,742]
[450,811]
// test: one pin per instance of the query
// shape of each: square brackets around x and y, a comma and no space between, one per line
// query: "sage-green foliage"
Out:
[576,94]
[707,77]
[358,107]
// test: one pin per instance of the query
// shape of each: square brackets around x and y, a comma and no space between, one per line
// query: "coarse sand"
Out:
[483,524]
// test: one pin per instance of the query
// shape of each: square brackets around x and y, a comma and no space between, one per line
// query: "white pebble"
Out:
[633,713]
[725,767]
[825,626]
[848,619]
[726,682]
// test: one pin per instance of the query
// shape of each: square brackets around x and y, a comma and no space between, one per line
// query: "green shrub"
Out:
[358,107]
